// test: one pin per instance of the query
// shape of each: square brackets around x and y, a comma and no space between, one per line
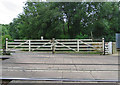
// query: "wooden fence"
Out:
[77,45]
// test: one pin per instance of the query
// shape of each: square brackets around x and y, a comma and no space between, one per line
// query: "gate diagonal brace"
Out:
[89,45]
[66,46]
[20,44]
[41,46]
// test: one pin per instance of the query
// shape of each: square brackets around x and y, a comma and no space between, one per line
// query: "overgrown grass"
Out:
[1,53]
[81,52]
[78,52]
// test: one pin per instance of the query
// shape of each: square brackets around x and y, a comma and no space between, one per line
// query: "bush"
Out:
[81,36]
[4,38]
[64,36]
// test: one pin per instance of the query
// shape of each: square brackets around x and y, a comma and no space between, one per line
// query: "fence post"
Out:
[103,43]
[6,45]
[78,45]
[29,45]
[110,47]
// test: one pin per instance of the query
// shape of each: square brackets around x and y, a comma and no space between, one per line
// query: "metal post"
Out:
[6,45]
[118,43]
[29,46]
[103,43]
[78,45]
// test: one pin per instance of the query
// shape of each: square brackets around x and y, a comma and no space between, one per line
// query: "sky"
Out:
[9,9]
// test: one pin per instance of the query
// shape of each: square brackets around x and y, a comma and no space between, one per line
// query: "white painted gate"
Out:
[76,45]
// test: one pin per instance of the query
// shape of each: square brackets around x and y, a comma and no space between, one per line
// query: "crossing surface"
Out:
[61,66]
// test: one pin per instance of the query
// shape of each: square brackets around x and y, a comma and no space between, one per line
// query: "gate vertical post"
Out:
[53,45]
[29,45]
[41,37]
[78,45]
[103,45]
[6,45]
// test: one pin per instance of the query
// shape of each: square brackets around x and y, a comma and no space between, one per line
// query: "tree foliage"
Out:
[67,20]
[5,34]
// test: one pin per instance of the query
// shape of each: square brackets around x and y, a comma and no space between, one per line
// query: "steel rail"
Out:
[54,70]
[62,79]
[60,63]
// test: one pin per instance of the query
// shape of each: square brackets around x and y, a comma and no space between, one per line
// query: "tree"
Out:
[67,20]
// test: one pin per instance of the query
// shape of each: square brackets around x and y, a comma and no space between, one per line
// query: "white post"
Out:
[103,47]
[6,44]
[41,37]
[78,45]
[29,46]
[110,47]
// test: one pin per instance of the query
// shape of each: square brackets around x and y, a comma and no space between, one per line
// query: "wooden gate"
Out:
[77,45]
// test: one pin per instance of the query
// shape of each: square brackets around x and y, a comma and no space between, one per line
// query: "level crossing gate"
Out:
[76,45]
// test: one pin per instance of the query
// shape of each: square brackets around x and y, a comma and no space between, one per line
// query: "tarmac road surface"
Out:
[61,66]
